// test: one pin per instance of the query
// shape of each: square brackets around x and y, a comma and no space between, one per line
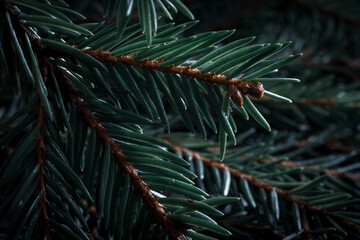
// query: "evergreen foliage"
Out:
[143,128]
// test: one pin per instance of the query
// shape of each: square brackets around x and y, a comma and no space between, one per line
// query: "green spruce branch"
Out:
[89,102]
[287,196]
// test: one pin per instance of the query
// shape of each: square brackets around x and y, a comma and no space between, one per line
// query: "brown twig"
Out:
[252,88]
[268,187]
[258,230]
[305,223]
[40,156]
[152,202]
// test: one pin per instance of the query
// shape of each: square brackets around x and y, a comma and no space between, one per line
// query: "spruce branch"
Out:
[149,199]
[268,187]
[40,154]
[69,92]
[102,107]
[332,172]
[252,88]
[233,86]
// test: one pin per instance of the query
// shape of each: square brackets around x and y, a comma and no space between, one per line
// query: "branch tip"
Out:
[234,86]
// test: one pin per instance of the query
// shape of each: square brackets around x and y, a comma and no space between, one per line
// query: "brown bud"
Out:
[254,89]
[235,95]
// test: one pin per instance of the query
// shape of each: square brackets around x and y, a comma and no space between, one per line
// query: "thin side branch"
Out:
[252,88]
[268,187]
[41,158]
[332,172]
[40,138]
[150,200]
